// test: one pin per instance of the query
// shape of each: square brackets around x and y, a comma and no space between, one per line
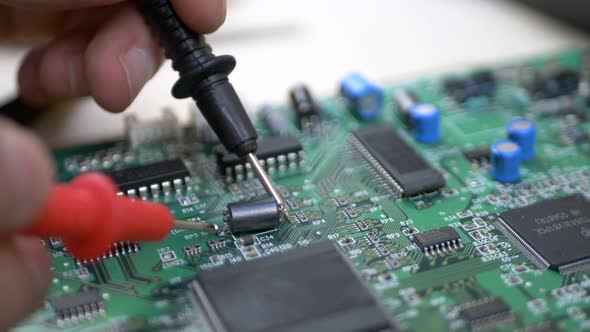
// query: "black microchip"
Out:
[403,166]
[486,311]
[305,289]
[478,155]
[77,305]
[269,147]
[554,83]
[436,240]
[146,175]
[554,233]
[544,327]
[482,83]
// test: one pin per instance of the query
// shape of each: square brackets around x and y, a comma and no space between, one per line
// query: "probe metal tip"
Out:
[196,226]
[268,185]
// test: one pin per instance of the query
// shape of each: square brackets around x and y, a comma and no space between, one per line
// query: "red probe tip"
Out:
[89,217]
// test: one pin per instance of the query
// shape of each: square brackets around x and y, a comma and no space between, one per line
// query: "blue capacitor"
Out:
[505,161]
[425,123]
[522,132]
[365,99]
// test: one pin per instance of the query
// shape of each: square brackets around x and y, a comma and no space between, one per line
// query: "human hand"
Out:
[99,48]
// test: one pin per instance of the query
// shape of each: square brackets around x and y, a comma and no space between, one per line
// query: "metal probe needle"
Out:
[196,226]
[268,185]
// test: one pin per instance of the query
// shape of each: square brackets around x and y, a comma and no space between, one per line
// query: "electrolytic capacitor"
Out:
[252,215]
[425,123]
[364,98]
[307,111]
[522,132]
[505,161]
[405,100]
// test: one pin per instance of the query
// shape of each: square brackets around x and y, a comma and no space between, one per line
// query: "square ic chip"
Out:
[554,233]
[305,289]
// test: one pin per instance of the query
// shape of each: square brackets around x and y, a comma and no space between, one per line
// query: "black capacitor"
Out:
[252,215]
[307,111]
[405,99]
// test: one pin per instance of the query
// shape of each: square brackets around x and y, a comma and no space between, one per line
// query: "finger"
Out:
[30,88]
[61,72]
[121,58]
[25,278]
[56,71]
[25,174]
[203,16]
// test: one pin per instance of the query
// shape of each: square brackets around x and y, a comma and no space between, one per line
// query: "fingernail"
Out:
[25,176]
[139,65]
[76,75]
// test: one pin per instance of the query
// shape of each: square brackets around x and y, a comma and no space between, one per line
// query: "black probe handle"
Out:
[203,76]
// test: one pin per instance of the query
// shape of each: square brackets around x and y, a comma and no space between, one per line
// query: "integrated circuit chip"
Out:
[152,177]
[553,233]
[305,289]
[276,153]
[482,83]
[83,304]
[438,240]
[486,311]
[404,170]
[478,156]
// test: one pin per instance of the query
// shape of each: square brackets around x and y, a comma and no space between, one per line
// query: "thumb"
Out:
[25,176]
[25,179]
[24,279]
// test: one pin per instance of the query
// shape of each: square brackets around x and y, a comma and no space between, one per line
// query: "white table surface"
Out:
[282,42]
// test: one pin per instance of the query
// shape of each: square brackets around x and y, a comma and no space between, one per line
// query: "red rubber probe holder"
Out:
[89,217]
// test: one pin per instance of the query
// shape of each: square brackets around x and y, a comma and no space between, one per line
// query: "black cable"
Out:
[203,76]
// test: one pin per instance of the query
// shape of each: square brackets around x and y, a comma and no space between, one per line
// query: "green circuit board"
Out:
[144,286]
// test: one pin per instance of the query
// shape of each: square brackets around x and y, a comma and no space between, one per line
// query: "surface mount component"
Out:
[478,156]
[554,83]
[482,83]
[305,289]
[364,98]
[404,170]
[505,161]
[277,153]
[485,312]
[523,133]
[172,172]
[439,240]
[553,233]
[75,306]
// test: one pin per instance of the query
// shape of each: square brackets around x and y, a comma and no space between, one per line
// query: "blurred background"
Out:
[281,43]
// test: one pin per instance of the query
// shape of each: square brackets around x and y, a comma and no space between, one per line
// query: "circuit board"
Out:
[446,255]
